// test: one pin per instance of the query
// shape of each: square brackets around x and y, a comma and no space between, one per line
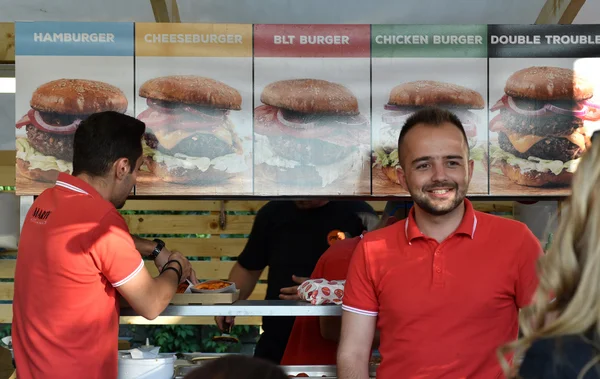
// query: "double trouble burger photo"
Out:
[57,109]
[190,138]
[406,99]
[540,126]
[309,133]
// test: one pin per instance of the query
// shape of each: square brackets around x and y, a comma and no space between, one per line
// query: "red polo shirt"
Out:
[75,250]
[306,346]
[444,308]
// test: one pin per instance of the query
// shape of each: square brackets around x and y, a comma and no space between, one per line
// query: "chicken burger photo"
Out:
[190,138]
[57,109]
[407,98]
[540,126]
[309,133]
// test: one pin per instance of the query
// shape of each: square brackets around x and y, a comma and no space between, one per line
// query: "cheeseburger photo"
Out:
[57,109]
[309,133]
[541,133]
[407,98]
[190,137]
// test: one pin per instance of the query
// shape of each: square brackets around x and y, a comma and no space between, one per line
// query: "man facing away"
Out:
[445,285]
[76,254]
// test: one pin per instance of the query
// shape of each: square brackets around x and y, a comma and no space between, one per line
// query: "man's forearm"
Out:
[144,246]
[245,280]
[352,367]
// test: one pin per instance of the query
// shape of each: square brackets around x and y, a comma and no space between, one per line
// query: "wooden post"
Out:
[559,11]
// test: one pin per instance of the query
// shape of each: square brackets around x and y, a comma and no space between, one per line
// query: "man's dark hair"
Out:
[430,116]
[102,139]
[237,367]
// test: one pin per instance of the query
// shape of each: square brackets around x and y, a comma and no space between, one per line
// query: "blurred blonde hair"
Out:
[569,272]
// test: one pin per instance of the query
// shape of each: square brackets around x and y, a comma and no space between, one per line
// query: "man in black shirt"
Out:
[290,237]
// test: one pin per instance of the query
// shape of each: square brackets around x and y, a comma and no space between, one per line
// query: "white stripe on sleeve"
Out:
[130,276]
[358,311]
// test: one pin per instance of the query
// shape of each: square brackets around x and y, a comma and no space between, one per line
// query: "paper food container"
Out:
[214,286]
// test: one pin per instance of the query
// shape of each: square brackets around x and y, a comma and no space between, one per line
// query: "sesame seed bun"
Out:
[78,97]
[310,96]
[430,92]
[180,175]
[37,175]
[548,83]
[536,178]
[194,90]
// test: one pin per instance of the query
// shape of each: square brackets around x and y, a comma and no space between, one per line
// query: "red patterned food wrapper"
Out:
[322,291]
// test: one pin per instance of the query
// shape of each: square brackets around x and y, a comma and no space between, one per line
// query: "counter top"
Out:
[249,308]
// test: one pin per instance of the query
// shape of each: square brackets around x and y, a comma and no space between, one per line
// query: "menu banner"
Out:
[194,92]
[312,109]
[544,85]
[309,109]
[87,68]
[429,41]
[414,66]
[544,41]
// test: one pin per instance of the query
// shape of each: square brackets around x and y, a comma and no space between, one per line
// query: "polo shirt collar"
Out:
[73,183]
[467,226]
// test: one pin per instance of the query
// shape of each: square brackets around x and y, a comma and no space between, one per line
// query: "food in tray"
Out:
[214,286]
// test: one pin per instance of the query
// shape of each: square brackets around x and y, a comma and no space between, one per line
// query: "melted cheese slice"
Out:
[522,143]
[169,138]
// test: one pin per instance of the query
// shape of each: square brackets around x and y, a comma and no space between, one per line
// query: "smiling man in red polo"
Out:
[445,285]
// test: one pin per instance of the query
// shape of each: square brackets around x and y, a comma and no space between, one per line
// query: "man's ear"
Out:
[122,167]
[402,178]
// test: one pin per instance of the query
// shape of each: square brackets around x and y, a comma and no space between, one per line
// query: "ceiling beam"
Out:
[165,10]
[7,42]
[559,11]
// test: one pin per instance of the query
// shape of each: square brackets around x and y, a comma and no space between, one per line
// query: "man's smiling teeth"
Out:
[440,192]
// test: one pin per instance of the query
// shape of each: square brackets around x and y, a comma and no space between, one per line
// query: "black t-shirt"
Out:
[290,241]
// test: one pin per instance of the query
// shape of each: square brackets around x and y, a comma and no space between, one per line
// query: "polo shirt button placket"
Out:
[437,267]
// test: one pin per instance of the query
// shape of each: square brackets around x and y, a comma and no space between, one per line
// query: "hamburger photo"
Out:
[57,109]
[190,138]
[309,133]
[407,98]
[541,131]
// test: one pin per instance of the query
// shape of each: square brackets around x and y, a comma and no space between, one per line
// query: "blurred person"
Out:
[76,255]
[289,237]
[561,328]
[314,340]
[443,286]
[238,367]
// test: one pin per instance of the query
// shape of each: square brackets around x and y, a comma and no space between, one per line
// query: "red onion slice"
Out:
[156,105]
[591,104]
[499,104]
[567,112]
[205,115]
[293,125]
[39,123]
[515,108]
[23,121]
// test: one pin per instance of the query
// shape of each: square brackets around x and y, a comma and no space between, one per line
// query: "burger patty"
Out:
[551,148]
[309,151]
[555,125]
[198,145]
[56,145]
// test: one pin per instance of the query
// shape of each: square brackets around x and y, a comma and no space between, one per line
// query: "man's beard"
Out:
[427,205]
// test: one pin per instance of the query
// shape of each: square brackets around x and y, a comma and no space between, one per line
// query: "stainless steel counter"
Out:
[249,308]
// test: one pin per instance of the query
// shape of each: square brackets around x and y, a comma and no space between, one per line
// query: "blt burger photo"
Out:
[309,133]
[190,138]
[541,131]
[407,98]
[57,109]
